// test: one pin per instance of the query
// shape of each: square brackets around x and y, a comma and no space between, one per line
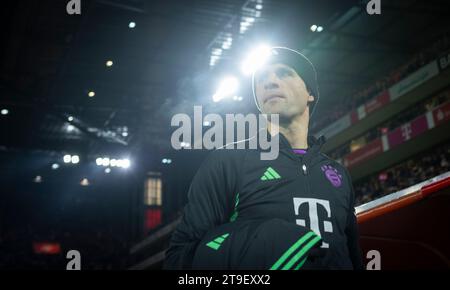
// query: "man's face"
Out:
[280,90]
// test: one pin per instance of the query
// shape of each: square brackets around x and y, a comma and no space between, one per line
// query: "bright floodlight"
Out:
[114,163]
[319,29]
[216,51]
[109,63]
[164,161]
[84,182]
[226,45]
[55,166]
[67,158]
[256,59]
[259,6]
[91,94]
[227,87]
[313,28]
[4,112]
[216,98]
[70,119]
[70,128]
[75,159]
[105,161]
[107,170]
[132,25]
[118,163]
[126,163]
[99,161]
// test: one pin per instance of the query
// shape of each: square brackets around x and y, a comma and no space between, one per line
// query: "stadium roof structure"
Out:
[161,61]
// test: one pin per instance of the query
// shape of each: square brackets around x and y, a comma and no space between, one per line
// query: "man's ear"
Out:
[311,98]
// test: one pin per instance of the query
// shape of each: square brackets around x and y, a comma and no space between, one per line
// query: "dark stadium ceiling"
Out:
[50,61]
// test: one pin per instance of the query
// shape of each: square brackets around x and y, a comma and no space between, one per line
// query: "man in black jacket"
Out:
[293,212]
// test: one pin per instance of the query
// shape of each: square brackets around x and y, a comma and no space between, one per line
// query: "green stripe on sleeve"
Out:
[300,253]
[301,263]
[289,251]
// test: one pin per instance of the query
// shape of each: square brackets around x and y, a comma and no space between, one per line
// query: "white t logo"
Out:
[313,216]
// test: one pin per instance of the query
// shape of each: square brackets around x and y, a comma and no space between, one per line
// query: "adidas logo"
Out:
[270,174]
[217,242]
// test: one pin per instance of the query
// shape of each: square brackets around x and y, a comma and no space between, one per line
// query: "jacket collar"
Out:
[314,147]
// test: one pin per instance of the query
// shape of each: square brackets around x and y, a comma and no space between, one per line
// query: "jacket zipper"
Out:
[305,173]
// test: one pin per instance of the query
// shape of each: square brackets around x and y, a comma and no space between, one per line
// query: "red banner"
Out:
[395,137]
[46,248]
[399,135]
[407,131]
[381,100]
[354,116]
[441,114]
[419,126]
[373,148]
[152,218]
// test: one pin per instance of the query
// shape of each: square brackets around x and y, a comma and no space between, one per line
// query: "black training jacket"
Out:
[310,190]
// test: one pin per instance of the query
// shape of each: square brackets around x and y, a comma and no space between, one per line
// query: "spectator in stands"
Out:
[403,175]
[359,98]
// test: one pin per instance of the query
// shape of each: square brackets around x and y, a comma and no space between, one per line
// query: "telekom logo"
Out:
[314,223]
[406,131]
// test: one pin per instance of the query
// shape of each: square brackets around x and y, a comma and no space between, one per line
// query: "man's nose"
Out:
[272,82]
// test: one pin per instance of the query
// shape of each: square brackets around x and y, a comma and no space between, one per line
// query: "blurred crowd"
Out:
[406,116]
[361,97]
[403,175]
